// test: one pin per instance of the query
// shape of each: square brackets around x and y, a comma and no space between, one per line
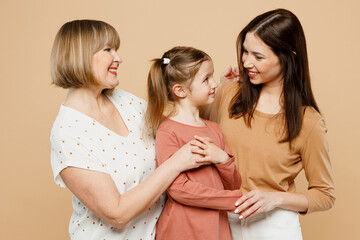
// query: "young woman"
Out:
[97,145]
[179,83]
[274,128]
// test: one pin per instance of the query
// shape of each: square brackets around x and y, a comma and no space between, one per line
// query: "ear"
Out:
[179,91]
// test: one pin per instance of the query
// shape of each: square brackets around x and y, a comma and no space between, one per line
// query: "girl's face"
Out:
[202,89]
[104,66]
[261,63]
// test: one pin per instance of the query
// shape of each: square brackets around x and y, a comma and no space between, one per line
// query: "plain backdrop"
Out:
[33,207]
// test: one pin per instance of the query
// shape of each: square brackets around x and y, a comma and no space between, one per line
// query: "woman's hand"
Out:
[185,159]
[230,75]
[256,202]
[208,150]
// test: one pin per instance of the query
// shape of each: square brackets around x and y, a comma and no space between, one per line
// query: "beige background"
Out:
[33,207]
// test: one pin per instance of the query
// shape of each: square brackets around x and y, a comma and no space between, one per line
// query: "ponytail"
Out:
[177,66]
[157,96]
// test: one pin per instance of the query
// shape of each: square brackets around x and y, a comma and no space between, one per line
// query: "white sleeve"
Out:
[69,151]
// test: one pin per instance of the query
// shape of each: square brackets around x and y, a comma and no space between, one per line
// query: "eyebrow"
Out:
[257,53]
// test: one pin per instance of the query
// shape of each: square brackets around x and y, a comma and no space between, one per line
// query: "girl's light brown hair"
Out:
[73,48]
[182,68]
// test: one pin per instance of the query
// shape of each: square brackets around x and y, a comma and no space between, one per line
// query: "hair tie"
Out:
[166,61]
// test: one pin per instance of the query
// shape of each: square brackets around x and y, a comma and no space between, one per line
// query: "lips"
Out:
[212,94]
[252,74]
[113,70]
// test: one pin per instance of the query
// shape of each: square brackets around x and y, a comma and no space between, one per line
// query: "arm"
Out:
[320,194]
[195,194]
[188,192]
[317,166]
[225,165]
[229,174]
[99,193]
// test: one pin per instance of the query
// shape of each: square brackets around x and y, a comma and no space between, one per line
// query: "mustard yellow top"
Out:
[267,165]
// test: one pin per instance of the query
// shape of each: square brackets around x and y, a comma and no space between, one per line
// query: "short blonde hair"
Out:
[73,48]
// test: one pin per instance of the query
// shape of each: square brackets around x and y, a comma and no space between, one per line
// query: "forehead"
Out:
[253,43]
[206,67]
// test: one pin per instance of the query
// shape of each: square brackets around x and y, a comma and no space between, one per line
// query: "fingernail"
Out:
[241,217]
[237,204]
[236,211]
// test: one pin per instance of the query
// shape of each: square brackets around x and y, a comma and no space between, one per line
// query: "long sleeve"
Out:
[230,176]
[189,192]
[195,194]
[316,161]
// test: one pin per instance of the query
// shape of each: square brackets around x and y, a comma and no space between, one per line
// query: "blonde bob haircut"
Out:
[73,48]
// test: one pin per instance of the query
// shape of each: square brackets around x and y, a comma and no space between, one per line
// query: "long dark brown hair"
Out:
[281,30]
[184,63]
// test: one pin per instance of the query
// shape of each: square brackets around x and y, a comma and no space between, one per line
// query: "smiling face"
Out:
[202,89]
[104,67]
[262,65]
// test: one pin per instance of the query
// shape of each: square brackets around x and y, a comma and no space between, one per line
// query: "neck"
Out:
[270,99]
[188,114]
[86,99]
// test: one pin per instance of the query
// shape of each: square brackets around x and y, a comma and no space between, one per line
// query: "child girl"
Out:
[178,84]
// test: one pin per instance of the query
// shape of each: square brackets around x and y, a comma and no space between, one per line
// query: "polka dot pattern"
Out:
[80,141]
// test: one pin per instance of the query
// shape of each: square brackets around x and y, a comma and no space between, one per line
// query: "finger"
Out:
[198,151]
[210,140]
[198,144]
[201,139]
[251,210]
[254,213]
[243,198]
[246,204]
[227,72]
[202,161]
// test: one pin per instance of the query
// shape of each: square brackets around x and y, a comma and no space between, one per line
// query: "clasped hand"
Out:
[208,151]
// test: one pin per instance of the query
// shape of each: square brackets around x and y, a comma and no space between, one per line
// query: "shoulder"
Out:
[165,134]
[229,88]
[226,92]
[212,125]
[126,95]
[166,125]
[313,124]
[64,122]
[126,98]
[312,118]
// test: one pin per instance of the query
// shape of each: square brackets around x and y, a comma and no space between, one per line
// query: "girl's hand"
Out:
[184,159]
[230,75]
[256,202]
[209,151]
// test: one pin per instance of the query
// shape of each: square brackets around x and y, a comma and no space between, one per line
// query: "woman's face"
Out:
[261,63]
[104,66]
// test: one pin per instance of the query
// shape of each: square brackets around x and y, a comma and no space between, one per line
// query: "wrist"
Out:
[279,200]
[224,158]
[173,165]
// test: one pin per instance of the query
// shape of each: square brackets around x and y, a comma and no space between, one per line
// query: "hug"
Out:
[226,156]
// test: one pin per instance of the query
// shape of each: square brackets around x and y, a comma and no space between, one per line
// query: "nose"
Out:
[117,58]
[213,84]
[247,63]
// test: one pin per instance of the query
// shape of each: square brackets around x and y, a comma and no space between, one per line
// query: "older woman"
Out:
[274,128]
[99,149]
